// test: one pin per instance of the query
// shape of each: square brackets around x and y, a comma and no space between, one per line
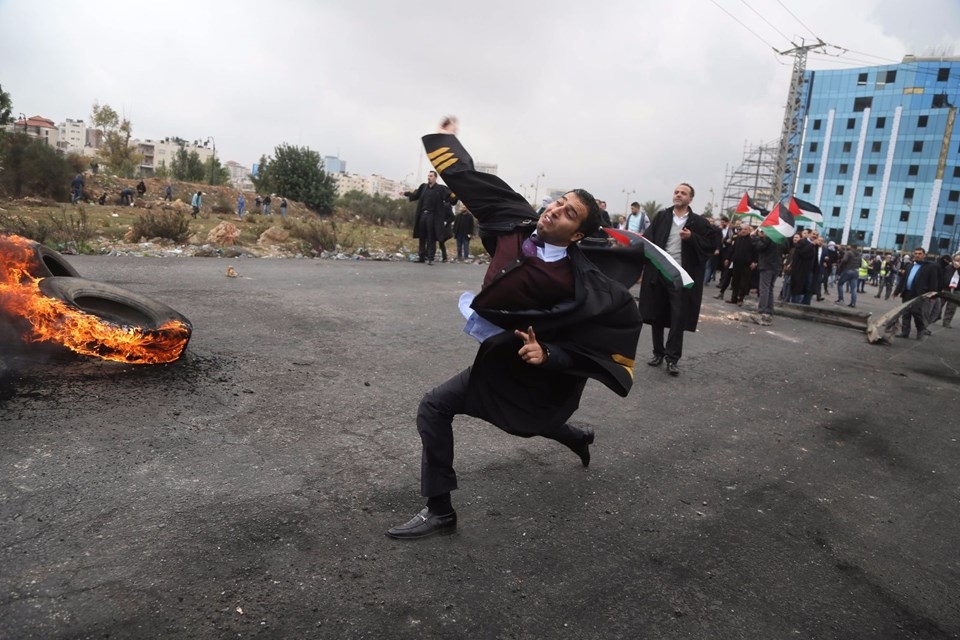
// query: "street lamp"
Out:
[213,162]
[536,188]
[626,207]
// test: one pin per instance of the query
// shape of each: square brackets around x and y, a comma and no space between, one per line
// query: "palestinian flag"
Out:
[656,256]
[749,208]
[779,225]
[805,211]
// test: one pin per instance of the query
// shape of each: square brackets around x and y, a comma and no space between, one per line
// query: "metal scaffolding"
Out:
[755,175]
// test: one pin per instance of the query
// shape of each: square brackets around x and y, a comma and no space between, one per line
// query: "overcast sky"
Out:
[608,95]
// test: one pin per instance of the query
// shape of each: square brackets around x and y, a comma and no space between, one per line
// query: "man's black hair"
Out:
[634,204]
[591,223]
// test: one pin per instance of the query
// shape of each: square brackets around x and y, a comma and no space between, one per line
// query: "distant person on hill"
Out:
[283,207]
[126,196]
[241,204]
[169,192]
[266,206]
[102,200]
[259,202]
[141,188]
[197,202]
[76,189]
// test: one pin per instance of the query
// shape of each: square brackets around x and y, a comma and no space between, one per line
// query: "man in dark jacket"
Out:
[432,203]
[691,240]
[743,255]
[547,318]
[919,278]
[463,232]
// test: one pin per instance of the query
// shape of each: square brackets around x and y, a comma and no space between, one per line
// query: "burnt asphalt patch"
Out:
[787,484]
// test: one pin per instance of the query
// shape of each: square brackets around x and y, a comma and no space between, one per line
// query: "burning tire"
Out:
[116,324]
[29,258]
[50,263]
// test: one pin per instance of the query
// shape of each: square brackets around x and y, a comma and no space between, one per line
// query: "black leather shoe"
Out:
[425,524]
[656,361]
[673,369]
[582,448]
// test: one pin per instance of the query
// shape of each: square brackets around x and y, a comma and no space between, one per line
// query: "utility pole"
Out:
[788,154]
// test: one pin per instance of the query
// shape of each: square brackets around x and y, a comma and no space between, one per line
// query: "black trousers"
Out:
[674,346]
[725,273]
[741,282]
[435,425]
[428,237]
[916,313]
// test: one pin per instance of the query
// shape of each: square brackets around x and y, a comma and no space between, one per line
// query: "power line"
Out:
[737,20]
[785,36]
[802,24]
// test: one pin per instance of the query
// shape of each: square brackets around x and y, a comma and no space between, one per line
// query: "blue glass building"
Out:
[880,154]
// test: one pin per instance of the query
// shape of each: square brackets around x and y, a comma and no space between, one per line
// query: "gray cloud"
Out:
[634,95]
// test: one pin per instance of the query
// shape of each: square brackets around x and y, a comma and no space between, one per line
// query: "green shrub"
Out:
[314,235]
[172,225]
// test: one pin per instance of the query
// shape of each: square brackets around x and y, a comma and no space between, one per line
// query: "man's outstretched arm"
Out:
[489,198]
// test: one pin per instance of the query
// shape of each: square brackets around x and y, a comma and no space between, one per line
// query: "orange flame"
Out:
[52,320]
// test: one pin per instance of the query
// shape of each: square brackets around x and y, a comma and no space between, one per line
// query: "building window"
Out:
[862,80]
[813,147]
[847,146]
[871,169]
[900,239]
[881,122]
[904,216]
[836,212]
[944,243]
[917,146]
[954,196]
[956,172]
[864,214]
[839,189]
[891,76]
[860,235]
[816,125]
[913,170]
[949,220]
[922,121]
[806,188]
[843,168]
[877,146]
[939,101]
[943,74]
[859,104]
[810,167]
[851,123]
[908,193]
[867,192]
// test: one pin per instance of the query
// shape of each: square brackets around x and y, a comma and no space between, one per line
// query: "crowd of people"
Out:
[748,260]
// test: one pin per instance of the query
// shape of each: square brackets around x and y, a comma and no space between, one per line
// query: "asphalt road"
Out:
[794,481]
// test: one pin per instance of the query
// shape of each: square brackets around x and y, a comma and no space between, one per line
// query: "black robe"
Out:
[694,252]
[598,328]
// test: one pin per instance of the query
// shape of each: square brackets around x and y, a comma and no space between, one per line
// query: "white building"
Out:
[370,185]
[239,176]
[160,153]
[72,136]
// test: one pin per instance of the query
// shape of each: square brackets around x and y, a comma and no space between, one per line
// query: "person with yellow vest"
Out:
[862,274]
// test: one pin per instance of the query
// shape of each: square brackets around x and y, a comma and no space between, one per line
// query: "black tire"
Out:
[125,309]
[41,261]
[50,263]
